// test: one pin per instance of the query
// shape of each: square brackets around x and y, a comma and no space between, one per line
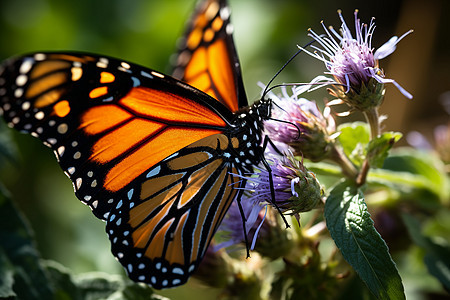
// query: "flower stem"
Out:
[373,119]
[346,165]
[361,178]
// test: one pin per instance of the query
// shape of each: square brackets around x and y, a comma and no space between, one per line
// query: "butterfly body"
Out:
[159,159]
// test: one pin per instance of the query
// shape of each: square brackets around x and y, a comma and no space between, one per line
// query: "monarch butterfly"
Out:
[159,159]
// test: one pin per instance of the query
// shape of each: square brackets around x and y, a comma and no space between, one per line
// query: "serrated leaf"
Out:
[352,229]
[353,138]
[378,148]
[437,257]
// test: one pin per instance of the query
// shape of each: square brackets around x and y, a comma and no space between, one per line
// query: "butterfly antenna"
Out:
[266,90]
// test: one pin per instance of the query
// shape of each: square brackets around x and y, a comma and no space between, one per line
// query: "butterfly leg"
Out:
[244,220]
[267,140]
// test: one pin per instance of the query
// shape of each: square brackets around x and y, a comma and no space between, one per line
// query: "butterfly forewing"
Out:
[207,58]
[107,121]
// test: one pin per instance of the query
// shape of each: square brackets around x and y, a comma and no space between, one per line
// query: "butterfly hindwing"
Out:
[164,225]
[106,120]
[207,58]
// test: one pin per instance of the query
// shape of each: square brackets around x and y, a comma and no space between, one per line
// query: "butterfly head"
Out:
[263,108]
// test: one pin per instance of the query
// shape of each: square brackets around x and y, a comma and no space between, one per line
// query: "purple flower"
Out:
[298,123]
[233,222]
[296,189]
[352,60]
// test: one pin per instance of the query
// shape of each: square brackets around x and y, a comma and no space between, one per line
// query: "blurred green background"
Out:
[145,32]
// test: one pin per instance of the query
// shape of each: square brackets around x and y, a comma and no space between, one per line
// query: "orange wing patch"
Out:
[209,70]
[143,130]
[122,139]
[62,108]
[45,83]
[169,107]
[208,61]
[166,143]
[98,92]
[93,121]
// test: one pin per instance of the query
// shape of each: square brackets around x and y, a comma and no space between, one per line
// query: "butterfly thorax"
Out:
[247,129]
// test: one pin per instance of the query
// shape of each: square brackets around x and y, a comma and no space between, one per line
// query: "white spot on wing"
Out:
[18,93]
[157,74]
[26,65]
[51,141]
[21,80]
[154,172]
[176,281]
[125,65]
[225,13]
[39,115]
[61,150]
[26,105]
[39,56]
[136,81]
[145,74]
[229,29]
[62,128]
[78,183]
[119,204]
[101,64]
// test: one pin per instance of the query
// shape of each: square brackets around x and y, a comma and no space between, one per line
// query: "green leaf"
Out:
[352,229]
[415,176]
[25,275]
[437,256]
[19,256]
[423,164]
[354,137]
[6,278]
[378,148]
